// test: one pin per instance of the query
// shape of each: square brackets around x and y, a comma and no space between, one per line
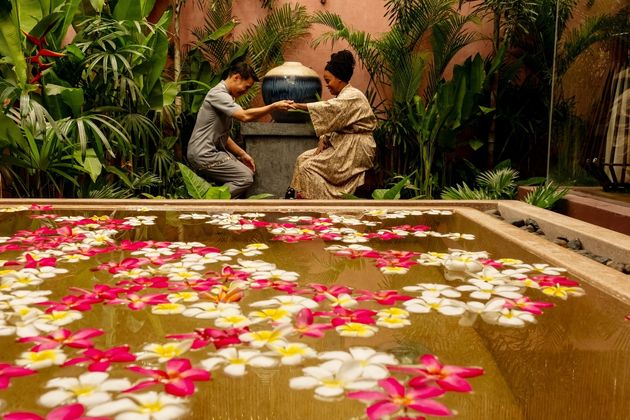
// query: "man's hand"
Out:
[283,105]
[321,146]
[248,161]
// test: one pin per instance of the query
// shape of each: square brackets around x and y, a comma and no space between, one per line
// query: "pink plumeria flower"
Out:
[528,305]
[67,412]
[382,297]
[8,371]
[203,336]
[397,398]
[447,377]
[137,302]
[178,378]
[64,337]
[305,325]
[100,361]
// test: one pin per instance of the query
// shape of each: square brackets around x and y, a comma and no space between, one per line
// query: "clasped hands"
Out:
[287,104]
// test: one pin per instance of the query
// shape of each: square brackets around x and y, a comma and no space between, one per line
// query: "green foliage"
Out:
[498,184]
[199,188]
[392,193]
[546,196]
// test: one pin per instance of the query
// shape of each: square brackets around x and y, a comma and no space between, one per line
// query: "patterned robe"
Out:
[345,124]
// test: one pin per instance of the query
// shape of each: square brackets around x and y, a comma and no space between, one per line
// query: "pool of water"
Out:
[164,314]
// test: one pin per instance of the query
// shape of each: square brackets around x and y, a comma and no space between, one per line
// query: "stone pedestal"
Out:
[274,147]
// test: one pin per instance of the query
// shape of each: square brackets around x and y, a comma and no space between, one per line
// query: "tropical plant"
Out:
[199,188]
[546,195]
[495,184]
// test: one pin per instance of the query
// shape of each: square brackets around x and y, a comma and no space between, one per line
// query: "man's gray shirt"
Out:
[212,127]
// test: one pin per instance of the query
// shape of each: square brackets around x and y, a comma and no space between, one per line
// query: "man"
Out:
[211,152]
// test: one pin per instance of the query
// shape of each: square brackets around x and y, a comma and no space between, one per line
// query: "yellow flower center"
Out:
[152,407]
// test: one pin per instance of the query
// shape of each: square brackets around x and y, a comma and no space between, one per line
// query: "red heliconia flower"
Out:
[8,371]
[100,361]
[178,378]
[396,398]
[447,377]
[525,304]
[220,338]
[305,326]
[66,412]
[64,337]
[383,297]
[547,280]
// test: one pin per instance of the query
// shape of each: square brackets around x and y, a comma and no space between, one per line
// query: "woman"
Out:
[344,126]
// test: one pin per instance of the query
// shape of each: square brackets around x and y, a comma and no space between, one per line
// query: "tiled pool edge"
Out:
[611,281]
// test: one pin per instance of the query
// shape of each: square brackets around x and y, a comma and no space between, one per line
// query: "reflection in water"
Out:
[166,289]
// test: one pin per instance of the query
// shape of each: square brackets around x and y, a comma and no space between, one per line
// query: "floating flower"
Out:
[262,338]
[64,337]
[147,406]
[525,304]
[164,352]
[203,336]
[332,378]
[89,389]
[305,326]
[355,329]
[178,378]
[236,360]
[8,371]
[293,353]
[210,310]
[397,398]
[168,308]
[41,359]
[563,292]
[232,319]
[373,364]
[484,290]
[541,269]
[442,305]
[274,315]
[433,290]
[67,412]
[100,361]
[293,304]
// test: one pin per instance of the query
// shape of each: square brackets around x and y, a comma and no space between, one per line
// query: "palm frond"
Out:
[464,192]
[546,196]
[500,183]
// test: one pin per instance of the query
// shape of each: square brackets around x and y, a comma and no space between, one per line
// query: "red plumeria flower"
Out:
[548,280]
[142,283]
[228,275]
[488,262]
[447,377]
[343,315]
[100,361]
[39,206]
[64,337]
[137,302]
[220,338]
[178,378]
[44,262]
[396,398]
[70,302]
[101,292]
[525,304]
[8,371]
[334,290]
[383,297]
[43,216]
[66,412]
[305,326]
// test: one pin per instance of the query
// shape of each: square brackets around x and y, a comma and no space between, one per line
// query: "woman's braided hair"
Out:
[341,65]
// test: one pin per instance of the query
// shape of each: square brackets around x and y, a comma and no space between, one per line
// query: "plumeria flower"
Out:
[397,398]
[61,318]
[7,372]
[63,337]
[392,322]
[355,329]
[232,319]
[41,359]
[147,406]
[210,310]
[74,258]
[490,308]
[100,361]
[254,266]
[483,290]
[305,325]
[343,300]
[178,378]
[236,360]
[491,275]
[542,269]
[392,312]
[274,275]
[444,306]
[168,308]
[89,389]
[332,378]
[433,290]
[273,315]
[563,292]
[293,353]
[268,338]
[372,363]
[140,220]
[293,304]
[509,317]
[392,269]
[183,274]
[526,304]
[183,297]
[66,412]
[46,272]
[430,371]
[194,216]
[164,352]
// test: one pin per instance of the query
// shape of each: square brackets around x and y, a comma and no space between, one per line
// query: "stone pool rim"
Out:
[606,279]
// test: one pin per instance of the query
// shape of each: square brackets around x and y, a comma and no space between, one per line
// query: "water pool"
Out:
[218,315]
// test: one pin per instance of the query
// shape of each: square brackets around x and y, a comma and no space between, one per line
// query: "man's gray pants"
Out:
[225,168]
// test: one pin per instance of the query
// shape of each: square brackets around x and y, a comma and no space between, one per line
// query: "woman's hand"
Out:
[321,146]
[248,161]
[283,105]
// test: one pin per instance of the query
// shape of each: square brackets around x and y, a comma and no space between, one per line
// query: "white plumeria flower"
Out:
[164,352]
[254,266]
[392,312]
[354,239]
[25,297]
[356,329]
[254,215]
[182,274]
[153,252]
[134,273]
[192,260]
[296,219]
[89,389]
[373,364]
[45,272]
[61,318]
[525,282]
[483,290]
[5,329]
[434,290]
[41,359]
[275,275]
[232,319]
[169,308]
[20,279]
[509,318]
[392,269]
[517,273]
[74,258]
[473,309]
[194,216]
[466,236]
[444,306]
[140,220]
[183,297]
[210,310]
[270,338]
[30,323]
[384,214]
[563,292]
[97,239]
[274,315]
[147,406]
[257,246]
[291,303]
[463,263]
[433,258]
[545,269]
[293,353]
[392,322]
[236,360]
[332,379]
[343,299]
[491,275]
[510,261]
[186,245]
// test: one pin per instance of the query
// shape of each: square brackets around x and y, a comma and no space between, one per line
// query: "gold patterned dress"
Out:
[345,124]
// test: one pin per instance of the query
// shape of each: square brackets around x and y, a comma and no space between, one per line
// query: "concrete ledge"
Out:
[596,239]
[277,129]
